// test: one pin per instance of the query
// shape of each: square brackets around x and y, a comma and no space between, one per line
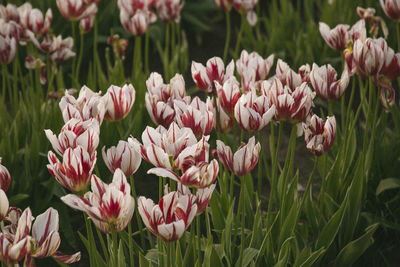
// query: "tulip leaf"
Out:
[121,256]
[313,257]
[353,250]
[18,198]
[284,252]
[387,184]
[248,256]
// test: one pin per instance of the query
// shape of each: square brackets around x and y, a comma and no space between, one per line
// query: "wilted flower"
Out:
[293,106]
[119,101]
[391,8]
[76,9]
[4,205]
[243,161]
[198,115]
[87,106]
[5,177]
[169,10]
[75,170]
[109,206]
[159,97]
[325,83]
[76,133]
[161,147]
[8,49]
[253,112]
[319,134]
[214,71]
[248,7]
[32,19]
[37,63]
[59,49]
[368,14]
[119,45]
[171,217]
[123,157]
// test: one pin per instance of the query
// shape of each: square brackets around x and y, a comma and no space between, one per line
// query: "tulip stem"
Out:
[114,244]
[136,58]
[398,35]
[243,211]
[260,163]
[166,52]
[309,186]
[95,64]
[146,53]
[78,66]
[198,240]
[228,33]
[239,38]
[353,89]
[103,245]
[139,221]
[4,76]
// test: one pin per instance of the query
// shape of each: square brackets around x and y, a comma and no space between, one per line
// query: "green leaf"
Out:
[248,256]
[284,252]
[387,184]
[121,256]
[18,198]
[313,257]
[353,250]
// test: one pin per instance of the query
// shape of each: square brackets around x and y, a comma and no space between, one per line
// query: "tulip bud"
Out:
[391,9]
[4,205]
[319,135]
[5,178]
[119,102]
[8,49]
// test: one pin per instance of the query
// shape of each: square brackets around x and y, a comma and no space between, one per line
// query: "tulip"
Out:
[136,24]
[32,19]
[226,122]
[391,68]
[253,112]
[110,207]
[119,102]
[171,217]
[119,45]
[228,94]
[75,170]
[319,135]
[123,157]
[391,8]
[8,49]
[159,98]
[287,76]
[76,9]
[169,10]
[5,178]
[9,12]
[294,106]
[248,7]
[87,106]
[225,5]
[86,24]
[74,133]
[161,147]
[304,72]
[243,160]
[369,56]
[326,84]
[214,71]
[4,205]
[255,62]
[197,115]
[337,37]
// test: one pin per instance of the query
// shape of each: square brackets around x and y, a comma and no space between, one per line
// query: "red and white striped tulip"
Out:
[225,5]
[73,133]
[161,147]
[391,68]
[108,205]
[248,7]
[32,19]
[76,9]
[304,72]
[253,112]
[123,156]
[198,115]
[5,178]
[369,56]
[86,24]
[171,217]
[137,23]
[119,101]
[319,134]
[169,10]
[8,49]
[9,12]
[293,106]
[243,160]
[214,71]
[75,170]
[254,62]
[159,98]
[87,106]
[391,8]
[4,204]
[226,122]
[336,38]
[287,76]
[228,94]
[325,83]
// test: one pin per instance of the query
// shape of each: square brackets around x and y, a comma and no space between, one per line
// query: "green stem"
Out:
[242,223]
[239,38]
[89,234]
[78,66]
[260,163]
[398,35]
[198,239]
[146,53]
[96,68]
[139,221]
[4,76]
[114,245]
[103,245]
[352,93]
[136,69]
[166,52]
[309,185]
[228,34]
[330,108]
[74,46]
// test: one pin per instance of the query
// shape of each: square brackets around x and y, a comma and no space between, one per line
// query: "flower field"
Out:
[199,133]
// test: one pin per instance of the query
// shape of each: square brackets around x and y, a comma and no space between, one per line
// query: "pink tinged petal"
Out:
[4,205]
[172,231]
[162,172]
[225,155]
[252,18]
[203,197]
[45,224]
[20,249]
[49,246]
[68,259]
[24,225]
